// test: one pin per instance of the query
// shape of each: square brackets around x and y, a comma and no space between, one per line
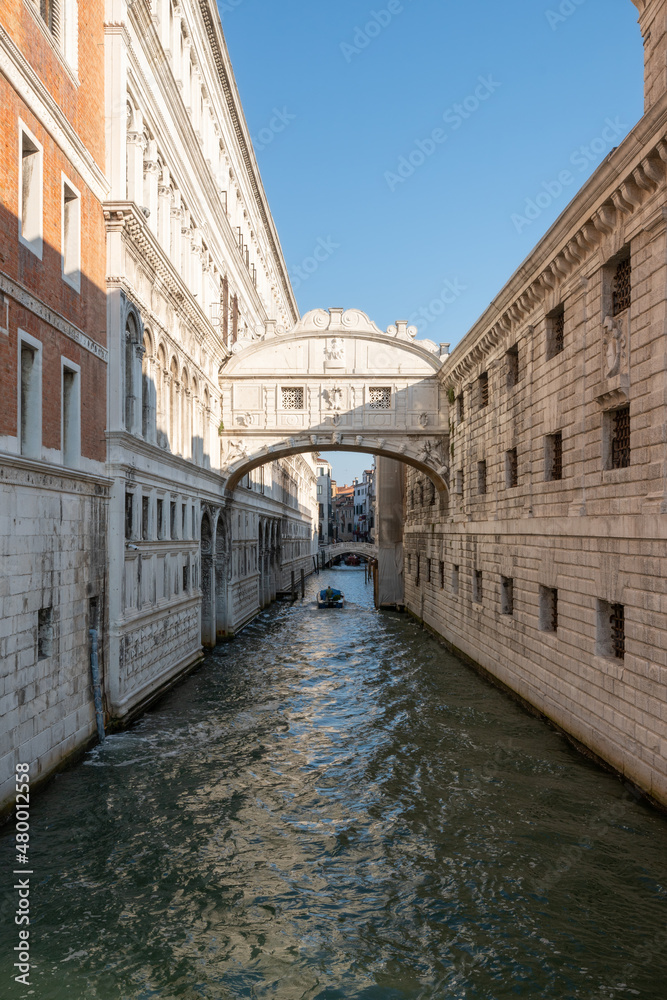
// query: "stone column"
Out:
[389,533]
[164,194]
[151,178]
[176,231]
[136,144]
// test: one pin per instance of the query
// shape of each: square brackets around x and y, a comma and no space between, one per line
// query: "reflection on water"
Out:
[334,807]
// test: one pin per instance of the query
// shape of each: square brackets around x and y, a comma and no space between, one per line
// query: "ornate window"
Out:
[380,399]
[293,398]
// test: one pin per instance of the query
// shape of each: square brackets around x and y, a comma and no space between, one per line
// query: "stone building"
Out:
[547,565]
[53,369]
[325,501]
[194,271]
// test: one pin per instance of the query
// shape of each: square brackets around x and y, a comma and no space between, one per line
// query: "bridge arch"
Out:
[335,382]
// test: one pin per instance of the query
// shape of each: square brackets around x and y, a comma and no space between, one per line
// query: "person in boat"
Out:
[329,593]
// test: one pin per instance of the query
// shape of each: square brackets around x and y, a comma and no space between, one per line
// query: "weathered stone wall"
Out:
[53,552]
[557,518]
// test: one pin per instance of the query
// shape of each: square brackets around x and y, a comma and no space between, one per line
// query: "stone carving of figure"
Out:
[614,346]
[333,398]
[236,451]
[336,350]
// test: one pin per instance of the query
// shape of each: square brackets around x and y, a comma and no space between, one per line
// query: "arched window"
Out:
[147,388]
[131,386]
[160,372]
[173,407]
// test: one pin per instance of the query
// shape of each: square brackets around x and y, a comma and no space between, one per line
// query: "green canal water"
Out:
[334,808]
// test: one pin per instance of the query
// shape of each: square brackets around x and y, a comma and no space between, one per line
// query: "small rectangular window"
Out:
[160,519]
[186,579]
[442,575]
[506,595]
[477,586]
[622,286]
[30,193]
[409,564]
[460,408]
[129,515]
[553,457]
[512,362]
[511,468]
[456,576]
[172,519]
[293,398]
[71,236]
[483,390]
[71,416]
[459,482]
[379,399]
[183,521]
[548,609]
[418,571]
[555,332]
[481,477]
[428,570]
[44,633]
[618,429]
[610,630]
[145,518]
[432,494]
[30,398]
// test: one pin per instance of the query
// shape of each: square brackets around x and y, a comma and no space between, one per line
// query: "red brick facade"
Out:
[83,108]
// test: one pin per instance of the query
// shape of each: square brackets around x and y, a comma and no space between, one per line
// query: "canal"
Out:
[334,808]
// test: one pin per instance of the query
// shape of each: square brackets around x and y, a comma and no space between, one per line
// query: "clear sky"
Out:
[404,139]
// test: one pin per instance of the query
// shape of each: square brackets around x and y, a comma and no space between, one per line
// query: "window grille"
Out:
[554,457]
[477,596]
[417,573]
[617,621]
[512,367]
[483,383]
[460,408]
[292,398]
[51,15]
[512,468]
[409,563]
[44,633]
[622,287]
[412,498]
[556,332]
[442,575]
[380,399]
[548,609]
[431,501]
[620,441]
[428,570]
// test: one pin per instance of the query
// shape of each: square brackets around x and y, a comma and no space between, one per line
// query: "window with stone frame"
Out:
[553,457]
[506,595]
[293,398]
[556,332]
[616,438]
[481,477]
[483,390]
[511,468]
[456,577]
[621,291]
[548,609]
[477,586]
[379,398]
[512,363]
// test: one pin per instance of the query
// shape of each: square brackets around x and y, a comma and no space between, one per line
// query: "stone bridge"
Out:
[335,382]
[366,549]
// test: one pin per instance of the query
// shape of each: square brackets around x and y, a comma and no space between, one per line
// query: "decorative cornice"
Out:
[29,301]
[634,186]
[34,94]
[215,37]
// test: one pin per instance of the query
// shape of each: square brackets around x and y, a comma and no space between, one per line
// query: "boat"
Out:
[335,599]
[353,561]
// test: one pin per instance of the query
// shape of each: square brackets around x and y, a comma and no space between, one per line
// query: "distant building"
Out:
[344,514]
[364,508]
[325,502]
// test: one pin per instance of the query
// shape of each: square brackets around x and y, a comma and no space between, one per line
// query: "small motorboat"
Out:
[330,598]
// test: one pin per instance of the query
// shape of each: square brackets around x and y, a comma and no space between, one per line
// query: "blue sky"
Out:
[405,138]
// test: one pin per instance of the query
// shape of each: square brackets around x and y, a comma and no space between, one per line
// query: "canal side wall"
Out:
[546,565]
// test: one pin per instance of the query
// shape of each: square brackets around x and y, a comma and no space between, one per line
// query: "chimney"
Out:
[653,24]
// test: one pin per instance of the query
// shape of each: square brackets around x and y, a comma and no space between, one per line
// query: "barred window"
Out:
[477,584]
[555,332]
[483,386]
[611,630]
[51,13]
[460,408]
[380,399]
[481,477]
[456,576]
[554,457]
[622,287]
[620,438]
[617,623]
[428,570]
[442,575]
[293,399]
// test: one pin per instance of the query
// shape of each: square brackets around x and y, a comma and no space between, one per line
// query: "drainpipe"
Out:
[97,688]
